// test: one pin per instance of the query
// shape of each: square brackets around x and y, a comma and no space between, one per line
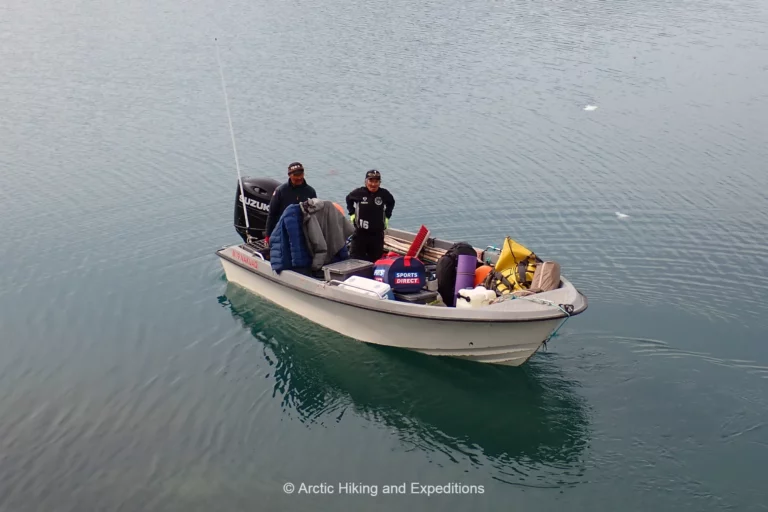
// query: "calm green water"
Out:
[133,377]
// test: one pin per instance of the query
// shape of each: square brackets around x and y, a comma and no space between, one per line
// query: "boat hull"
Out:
[496,342]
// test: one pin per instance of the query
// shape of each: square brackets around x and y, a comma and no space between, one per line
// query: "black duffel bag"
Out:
[446,270]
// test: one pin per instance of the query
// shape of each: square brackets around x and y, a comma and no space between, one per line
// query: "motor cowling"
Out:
[258,193]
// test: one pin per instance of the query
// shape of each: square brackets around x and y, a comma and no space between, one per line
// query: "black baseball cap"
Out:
[295,167]
[373,173]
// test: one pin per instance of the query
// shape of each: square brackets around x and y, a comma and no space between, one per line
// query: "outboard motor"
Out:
[258,193]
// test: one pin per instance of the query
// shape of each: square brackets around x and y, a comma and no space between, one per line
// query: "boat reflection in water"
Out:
[521,420]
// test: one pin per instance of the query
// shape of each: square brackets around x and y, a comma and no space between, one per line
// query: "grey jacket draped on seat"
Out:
[326,230]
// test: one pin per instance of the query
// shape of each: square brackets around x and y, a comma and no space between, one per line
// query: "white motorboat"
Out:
[508,331]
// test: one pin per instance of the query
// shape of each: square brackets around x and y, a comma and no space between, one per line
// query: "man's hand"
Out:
[386,222]
[266,240]
[352,218]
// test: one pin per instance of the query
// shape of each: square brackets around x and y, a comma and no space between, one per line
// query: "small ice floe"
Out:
[590,108]
[621,215]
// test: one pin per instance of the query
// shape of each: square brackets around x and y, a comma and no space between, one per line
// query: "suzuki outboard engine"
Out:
[258,193]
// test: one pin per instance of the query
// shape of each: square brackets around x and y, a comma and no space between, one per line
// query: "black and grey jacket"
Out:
[370,209]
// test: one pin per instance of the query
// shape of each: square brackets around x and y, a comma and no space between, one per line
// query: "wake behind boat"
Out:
[344,297]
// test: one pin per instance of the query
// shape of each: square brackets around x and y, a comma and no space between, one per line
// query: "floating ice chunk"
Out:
[621,215]
[590,108]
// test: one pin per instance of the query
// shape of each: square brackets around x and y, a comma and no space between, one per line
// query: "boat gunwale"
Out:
[557,313]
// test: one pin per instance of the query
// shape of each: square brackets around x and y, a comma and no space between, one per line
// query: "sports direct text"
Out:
[357,488]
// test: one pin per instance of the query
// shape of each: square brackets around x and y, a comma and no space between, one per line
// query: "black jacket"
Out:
[284,196]
[370,209]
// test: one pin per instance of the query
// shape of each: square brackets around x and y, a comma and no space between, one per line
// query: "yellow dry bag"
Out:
[514,268]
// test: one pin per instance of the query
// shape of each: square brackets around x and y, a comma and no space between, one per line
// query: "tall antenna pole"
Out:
[234,147]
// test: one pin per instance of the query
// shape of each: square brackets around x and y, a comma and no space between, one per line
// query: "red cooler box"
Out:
[403,274]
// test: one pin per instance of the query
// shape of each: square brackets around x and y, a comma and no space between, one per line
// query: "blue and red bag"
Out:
[404,274]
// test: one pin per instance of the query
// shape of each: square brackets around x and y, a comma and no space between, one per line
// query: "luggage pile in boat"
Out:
[393,277]
[460,276]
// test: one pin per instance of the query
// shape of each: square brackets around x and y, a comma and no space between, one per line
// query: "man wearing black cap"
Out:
[294,191]
[370,208]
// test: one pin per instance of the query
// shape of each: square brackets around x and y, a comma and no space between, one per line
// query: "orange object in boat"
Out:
[481,273]
[338,207]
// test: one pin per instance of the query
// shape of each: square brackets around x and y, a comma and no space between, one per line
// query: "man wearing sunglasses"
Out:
[294,191]
[370,208]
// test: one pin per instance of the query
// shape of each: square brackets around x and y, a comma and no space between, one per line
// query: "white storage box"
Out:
[366,286]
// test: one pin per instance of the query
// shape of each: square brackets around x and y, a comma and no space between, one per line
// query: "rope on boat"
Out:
[567,309]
